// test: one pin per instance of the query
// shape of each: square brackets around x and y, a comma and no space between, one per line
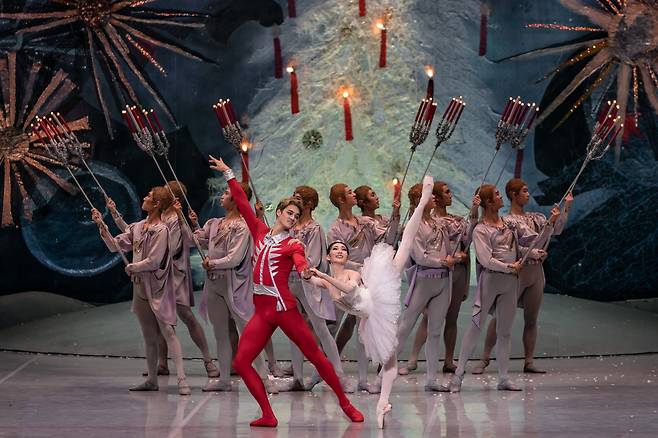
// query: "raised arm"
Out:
[116,216]
[123,242]
[256,227]
[411,229]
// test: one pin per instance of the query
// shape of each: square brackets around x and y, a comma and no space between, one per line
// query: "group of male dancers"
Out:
[294,277]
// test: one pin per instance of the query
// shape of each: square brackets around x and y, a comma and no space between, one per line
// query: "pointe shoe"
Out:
[456,383]
[346,383]
[353,413]
[162,371]
[217,385]
[530,368]
[381,414]
[508,385]
[146,386]
[265,422]
[211,369]
[480,367]
[183,387]
[411,366]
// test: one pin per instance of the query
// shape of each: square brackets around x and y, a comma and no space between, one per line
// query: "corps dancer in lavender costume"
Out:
[531,278]
[360,233]
[154,299]
[228,288]
[499,247]
[429,284]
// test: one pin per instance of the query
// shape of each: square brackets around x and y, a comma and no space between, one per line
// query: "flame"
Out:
[380,25]
[396,181]
[346,94]
[429,71]
[244,146]
[290,69]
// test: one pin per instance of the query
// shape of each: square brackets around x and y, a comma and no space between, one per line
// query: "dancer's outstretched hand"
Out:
[217,164]
[111,205]
[97,217]
[555,214]
[426,196]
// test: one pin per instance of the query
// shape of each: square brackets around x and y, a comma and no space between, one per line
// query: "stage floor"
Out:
[65,396]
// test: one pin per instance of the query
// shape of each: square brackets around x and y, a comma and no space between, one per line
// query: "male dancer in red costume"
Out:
[275,256]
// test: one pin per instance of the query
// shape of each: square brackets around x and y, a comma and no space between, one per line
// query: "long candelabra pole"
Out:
[144,138]
[604,135]
[59,144]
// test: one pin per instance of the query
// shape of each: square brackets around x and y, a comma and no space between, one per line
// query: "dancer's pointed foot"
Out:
[183,387]
[508,385]
[146,386]
[411,366]
[217,385]
[211,369]
[381,414]
[480,367]
[456,382]
[353,413]
[530,368]
[265,421]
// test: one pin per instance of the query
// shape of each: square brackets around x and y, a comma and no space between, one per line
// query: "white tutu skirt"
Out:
[378,304]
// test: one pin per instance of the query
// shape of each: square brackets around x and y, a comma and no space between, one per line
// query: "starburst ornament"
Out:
[624,43]
[114,31]
[26,166]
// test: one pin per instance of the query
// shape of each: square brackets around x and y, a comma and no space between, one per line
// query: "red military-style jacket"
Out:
[274,256]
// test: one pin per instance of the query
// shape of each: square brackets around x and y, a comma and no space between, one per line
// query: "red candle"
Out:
[614,137]
[157,121]
[148,120]
[294,96]
[461,110]
[512,113]
[362,8]
[532,118]
[244,155]
[421,108]
[430,83]
[219,117]
[231,113]
[453,111]
[521,114]
[382,45]
[448,109]
[135,113]
[292,9]
[63,122]
[133,121]
[507,109]
[224,112]
[348,117]
[484,21]
[128,122]
[278,63]
[429,113]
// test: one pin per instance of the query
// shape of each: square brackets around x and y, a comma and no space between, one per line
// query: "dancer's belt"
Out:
[491,271]
[217,274]
[533,262]
[425,272]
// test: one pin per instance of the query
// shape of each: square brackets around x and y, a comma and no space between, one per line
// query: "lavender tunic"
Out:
[230,248]
[360,239]
[152,276]
[180,243]
[312,236]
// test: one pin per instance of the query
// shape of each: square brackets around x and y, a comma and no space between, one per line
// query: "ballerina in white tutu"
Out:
[374,296]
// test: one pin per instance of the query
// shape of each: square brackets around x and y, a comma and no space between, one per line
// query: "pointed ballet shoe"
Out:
[265,422]
[162,371]
[508,385]
[381,414]
[480,367]
[434,386]
[217,385]
[411,366]
[456,383]
[146,386]
[450,369]
[347,385]
[183,387]
[353,413]
[530,368]
[293,386]
[211,369]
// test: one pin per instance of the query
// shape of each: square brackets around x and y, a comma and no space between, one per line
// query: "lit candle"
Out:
[516,103]
[294,97]
[507,109]
[227,119]
[397,189]
[148,120]
[362,8]
[448,109]
[484,21]
[292,9]
[278,63]
[63,121]
[157,121]
[454,110]
[421,109]
[382,44]
[462,105]
[231,113]
[348,116]
[215,108]
[430,82]
[532,118]
[244,158]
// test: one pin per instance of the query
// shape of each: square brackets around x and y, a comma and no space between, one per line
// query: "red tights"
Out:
[259,330]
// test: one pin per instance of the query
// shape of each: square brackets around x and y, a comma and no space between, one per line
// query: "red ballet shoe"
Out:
[265,422]
[353,413]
